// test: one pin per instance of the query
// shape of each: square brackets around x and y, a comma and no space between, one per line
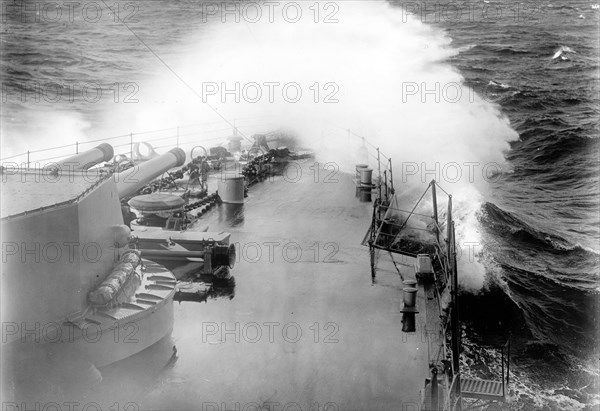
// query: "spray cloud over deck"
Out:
[377,71]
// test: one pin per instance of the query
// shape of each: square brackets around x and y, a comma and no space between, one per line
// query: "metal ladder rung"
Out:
[476,388]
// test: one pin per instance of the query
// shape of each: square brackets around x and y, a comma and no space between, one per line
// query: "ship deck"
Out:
[307,328]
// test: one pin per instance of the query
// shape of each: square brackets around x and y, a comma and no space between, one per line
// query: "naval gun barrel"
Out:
[132,179]
[89,158]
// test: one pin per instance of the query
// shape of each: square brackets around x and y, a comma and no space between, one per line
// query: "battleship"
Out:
[98,246]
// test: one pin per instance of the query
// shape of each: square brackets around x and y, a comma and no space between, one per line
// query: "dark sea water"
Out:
[538,62]
[542,219]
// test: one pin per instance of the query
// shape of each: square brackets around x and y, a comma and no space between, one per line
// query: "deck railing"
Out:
[505,361]
[185,136]
[444,250]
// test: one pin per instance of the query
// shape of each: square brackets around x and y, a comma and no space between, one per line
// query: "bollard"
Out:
[410,297]
[231,189]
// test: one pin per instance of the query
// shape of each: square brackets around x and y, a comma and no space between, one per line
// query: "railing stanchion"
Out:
[502,376]
[449,230]
[77,147]
[379,170]
[434,390]
[386,185]
[27,158]
[508,362]
[435,211]
[391,177]
[455,320]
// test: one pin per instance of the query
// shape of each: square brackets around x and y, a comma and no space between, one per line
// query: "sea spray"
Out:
[374,72]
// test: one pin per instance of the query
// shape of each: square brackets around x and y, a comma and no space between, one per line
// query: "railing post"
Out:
[434,390]
[455,319]
[508,362]
[435,211]
[502,376]
[77,147]
[379,171]
[391,177]
[449,229]
[386,185]
[27,158]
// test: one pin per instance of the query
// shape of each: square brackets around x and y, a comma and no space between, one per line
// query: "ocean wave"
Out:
[550,339]
[498,84]
[563,53]
[513,228]
[468,47]
[507,50]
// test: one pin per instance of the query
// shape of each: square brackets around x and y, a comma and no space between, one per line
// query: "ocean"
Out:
[541,219]
[507,90]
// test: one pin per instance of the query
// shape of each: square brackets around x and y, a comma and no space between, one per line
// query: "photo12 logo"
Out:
[270,11]
[84,92]
[288,251]
[452,92]
[451,172]
[269,91]
[267,406]
[28,12]
[67,406]
[50,252]
[469,12]
[53,332]
[269,332]
[293,172]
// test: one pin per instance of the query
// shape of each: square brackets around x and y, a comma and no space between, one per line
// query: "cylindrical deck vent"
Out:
[366,176]
[410,283]
[410,297]
[360,167]
[231,189]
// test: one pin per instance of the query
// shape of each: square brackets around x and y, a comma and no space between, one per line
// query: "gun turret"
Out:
[87,159]
[132,179]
